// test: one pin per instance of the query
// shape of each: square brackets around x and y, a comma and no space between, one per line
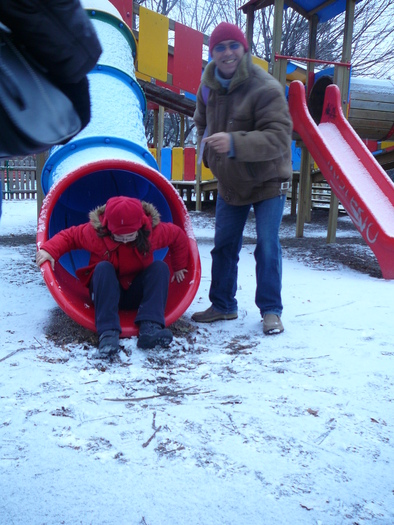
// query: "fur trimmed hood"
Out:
[96,216]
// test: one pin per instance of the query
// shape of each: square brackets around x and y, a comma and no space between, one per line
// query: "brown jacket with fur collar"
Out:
[255,112]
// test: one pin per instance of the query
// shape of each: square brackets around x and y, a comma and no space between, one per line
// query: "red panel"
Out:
[175,89]
[372,145]
[189,164]
[187,58]
[125,8]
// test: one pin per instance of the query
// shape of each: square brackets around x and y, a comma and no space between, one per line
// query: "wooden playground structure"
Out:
[169,60]
[170,76]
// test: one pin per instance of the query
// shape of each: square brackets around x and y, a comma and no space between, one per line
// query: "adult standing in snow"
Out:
[245,128]
[121,238]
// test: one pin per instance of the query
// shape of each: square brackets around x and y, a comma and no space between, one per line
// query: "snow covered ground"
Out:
[225,427]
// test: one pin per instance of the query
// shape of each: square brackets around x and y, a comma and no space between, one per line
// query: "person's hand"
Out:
[42,256]
[179,276]
[221,142]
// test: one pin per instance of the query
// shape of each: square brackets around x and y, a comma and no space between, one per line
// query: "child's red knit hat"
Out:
[124,215]
[226,31]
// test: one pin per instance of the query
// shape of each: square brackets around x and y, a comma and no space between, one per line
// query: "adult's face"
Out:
[227,55]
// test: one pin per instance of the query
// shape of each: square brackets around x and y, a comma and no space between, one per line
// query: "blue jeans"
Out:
[229,225]
[147,294]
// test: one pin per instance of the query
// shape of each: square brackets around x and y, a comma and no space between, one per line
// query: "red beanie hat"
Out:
[124,215]
[226,31]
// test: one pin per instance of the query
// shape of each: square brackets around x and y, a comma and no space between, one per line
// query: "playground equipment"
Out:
[108,158]
[359,182]
[371,105]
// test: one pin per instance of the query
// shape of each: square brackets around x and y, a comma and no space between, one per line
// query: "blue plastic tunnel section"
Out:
[116,131]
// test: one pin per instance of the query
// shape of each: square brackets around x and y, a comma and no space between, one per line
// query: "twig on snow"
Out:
[176,393]
[156,430]
[12,353]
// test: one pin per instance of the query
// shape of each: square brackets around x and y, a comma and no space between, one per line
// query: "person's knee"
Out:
[103,268]
[161,268]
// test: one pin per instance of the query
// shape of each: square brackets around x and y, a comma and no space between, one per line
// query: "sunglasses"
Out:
[128,237]
[219,48]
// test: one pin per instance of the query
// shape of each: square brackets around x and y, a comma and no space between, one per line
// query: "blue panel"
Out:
[166,156]
[327,72]
[326,13]
[291,66]
[295,157]
[190,96]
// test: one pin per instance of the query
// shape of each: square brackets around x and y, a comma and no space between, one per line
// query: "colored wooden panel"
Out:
[166,155]
[153,151]
[187,58]
[372,145]
[387,144]
[177,164]
[153,44]
[125,9]
[141,76]
[260,62]
[175,89]
[206,173]
[295,156]
[190,164]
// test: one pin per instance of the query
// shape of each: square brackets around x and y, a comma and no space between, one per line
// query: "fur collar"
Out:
[150,210]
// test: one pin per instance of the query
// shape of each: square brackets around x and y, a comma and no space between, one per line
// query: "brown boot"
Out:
[272,324]
[211,314]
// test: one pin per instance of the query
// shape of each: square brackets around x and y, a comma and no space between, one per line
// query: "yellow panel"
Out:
[153,44]
[153,151]
[387,144]
[297,74]
[141,76]
[177,164]
[260,62]
[206,173]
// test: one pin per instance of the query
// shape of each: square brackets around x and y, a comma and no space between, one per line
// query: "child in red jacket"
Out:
[121,238]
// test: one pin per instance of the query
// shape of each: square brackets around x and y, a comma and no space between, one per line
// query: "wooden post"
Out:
[342,74]
[282,72]
[342,78]
[249,25]
[198,179]
[40,161]
[310,69]
[305,184]
[303,190]
[155,127]
[182,131]
[160,134]
[277,37]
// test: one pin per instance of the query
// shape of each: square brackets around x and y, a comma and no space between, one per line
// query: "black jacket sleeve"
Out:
[57,33]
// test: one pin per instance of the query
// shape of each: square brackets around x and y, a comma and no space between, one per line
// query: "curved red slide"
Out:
[110,157]
[360,183]
[72,297]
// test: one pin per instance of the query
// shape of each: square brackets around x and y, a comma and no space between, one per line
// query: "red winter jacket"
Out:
[127,260]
